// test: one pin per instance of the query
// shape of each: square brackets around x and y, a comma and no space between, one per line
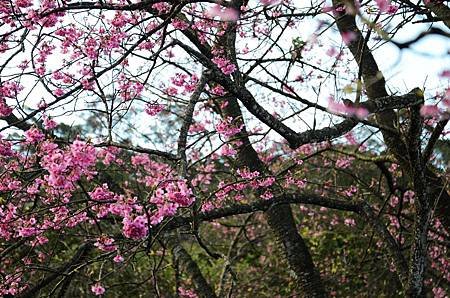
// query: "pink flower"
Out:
[349,110]
[439,292]
[267,195]
[344,163]
[327,8]
[225,14]
[172,91]
[392,9]
[348,37]
[383,5]
[154,109]
[227,150]
[42,105]
[24,3]
[429,111]
[120,19]
[180,193]
[207,206]
[58,92]
[8,90]
[445,74]
[101,193]
[105,243]
[98,289]
[269,2]
[5,110]
[135,228]
[224,64]
[161,7]
[246,174]
[218,90]
[34,135]
[118,259]
[350,222]
[186,293]
[227,129]
[49,123]
[179,24]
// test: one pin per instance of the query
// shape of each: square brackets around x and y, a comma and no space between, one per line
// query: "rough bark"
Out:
[375,87]
[280,218]
[406,149]
[418,254]
[202,287]
[441,10]
[78,258]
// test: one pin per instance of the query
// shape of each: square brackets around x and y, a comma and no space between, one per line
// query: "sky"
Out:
[403,70]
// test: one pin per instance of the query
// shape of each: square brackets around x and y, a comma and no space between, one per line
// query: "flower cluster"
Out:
[8,90]
[225,65]
[98,289]
[135,228]
[224,13]
[170,197]
[347,109]
[227,128]
[154,109]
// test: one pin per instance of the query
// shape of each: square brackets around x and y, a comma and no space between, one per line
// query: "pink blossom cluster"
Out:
[204,176]
[168,198]
[433,111]
[70,36]
[227,150]
[225,65]
[344,162]
[227,128]
[109,155]
[223,13]
[5,149]
[129,89]
[386,6]
[350,222]
[161,7]
[120,19]
[49,123]
[179,24]
[246,174]
[185,293]
[135,228]
[154,109]
[188,83]
[98,289]
[440,110]
[65,167]
[109,203]
[102,193]
[298,182]
[11,284]
[218,90]
[23,3]
[351,191]
[45,50]
[349,110]
[105,243]
[34,15]
[8,89]
[34,135]
[253,182]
